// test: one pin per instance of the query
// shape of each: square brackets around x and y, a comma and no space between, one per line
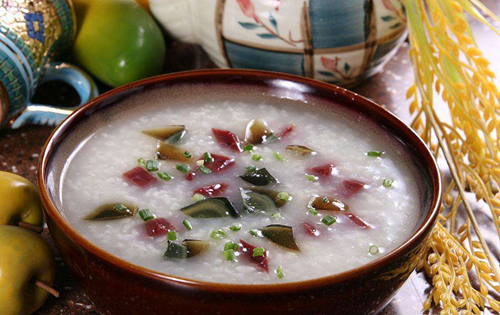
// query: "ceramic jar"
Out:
[337,41]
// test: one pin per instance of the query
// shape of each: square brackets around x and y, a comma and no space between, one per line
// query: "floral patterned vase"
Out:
[338,41]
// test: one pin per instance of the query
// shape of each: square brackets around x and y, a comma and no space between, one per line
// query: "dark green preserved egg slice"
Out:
[273,194]
[176,250]
[112,211]
[259,177]
[195,247]
[172,133]
[281,235]
[211,208]
[257,201]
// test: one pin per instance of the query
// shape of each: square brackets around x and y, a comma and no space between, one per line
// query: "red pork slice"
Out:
[158,227]
[219,163]
[310,229]
[351,187]
[286,132]
[139,177]
[260,261]
[211,190]
[227,139]
[323,171]
[356,220]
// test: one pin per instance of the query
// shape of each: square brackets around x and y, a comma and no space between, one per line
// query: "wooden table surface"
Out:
[19,153]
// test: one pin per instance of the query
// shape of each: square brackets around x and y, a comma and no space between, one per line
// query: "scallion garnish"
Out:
[120,207]
[248,148]
[276,215]
[164,175]
[387,182]
[230,255]
[200,163]
[313,211]
[258,252]
[251,169]
[256,157]
[280,272]
[231,245]
[311,178]
[329,220]
[284,196]
[204,170]
[373,249]
[152,165]
[325,200]
[254,232]
[279,157]
[218,234]
[146,215]
[187,224]
[171,235]
[183,168]
[187,154]
[235,228]
[141,162]
[375,153]
[208,157]
[198,197]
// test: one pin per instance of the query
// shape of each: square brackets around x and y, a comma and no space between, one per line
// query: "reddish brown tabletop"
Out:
[19,152]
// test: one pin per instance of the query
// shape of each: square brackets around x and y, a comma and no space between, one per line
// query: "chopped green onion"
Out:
[229,254]
[218,234]
[387,182]
[187,224]
[375,153]
[187,154]
[165,176]
[276,215]
[152,165]
[279,157]
[251,169]
[329,220]
[311,178]
[183,168]
[204,170]
[208,157]
[231,245]
[313,211]
[235,228]
[373,249]
[248,148]
[284,196]
[146,215]
[254,232]
[258,252]
[172,235]
[141,162]
[325,200]
[198,197]
[280,272]
[256,157]
[200,163]
[121,207]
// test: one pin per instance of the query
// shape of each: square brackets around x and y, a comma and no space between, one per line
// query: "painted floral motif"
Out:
[399,18]
[271,31]
[34,24]
[333,65]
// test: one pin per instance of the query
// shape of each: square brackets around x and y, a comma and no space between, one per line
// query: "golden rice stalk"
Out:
[448,64]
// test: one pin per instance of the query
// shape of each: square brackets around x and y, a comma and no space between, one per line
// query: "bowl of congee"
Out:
[238,192]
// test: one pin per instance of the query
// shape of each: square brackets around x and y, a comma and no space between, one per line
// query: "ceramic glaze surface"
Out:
[93,176]
[336,41]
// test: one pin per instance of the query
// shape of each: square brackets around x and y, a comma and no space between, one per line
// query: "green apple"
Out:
[19,201]
[118,41]
[25,259]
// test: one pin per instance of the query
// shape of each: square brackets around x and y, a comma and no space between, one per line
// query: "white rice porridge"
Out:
[382,213]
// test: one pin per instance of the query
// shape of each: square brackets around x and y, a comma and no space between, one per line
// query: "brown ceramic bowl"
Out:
[118,287]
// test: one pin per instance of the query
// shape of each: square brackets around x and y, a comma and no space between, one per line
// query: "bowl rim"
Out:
[202,76]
